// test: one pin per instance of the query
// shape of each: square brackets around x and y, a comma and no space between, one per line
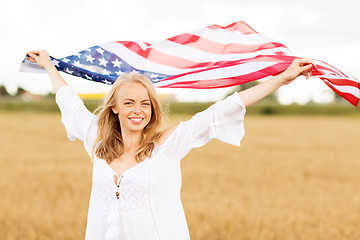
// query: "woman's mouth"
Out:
[136,120]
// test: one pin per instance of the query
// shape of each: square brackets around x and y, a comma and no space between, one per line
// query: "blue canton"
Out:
[97,64]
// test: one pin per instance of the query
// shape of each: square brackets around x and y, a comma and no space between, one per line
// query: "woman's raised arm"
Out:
[42,58]
[258,92]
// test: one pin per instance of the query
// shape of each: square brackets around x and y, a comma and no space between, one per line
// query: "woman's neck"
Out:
[131,140]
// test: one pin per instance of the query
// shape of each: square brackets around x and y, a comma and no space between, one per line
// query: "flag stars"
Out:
[101,51]
[106,82]
[116,63]
[69,71]
[119,72]
[90,59]
[55,62]
[105,72]
[154,75]
[103,61]
[87,77]
[66,60]
[77,63]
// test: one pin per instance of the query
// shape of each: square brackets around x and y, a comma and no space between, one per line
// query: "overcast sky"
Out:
[325,30]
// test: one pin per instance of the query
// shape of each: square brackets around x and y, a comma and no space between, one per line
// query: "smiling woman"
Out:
[136,178]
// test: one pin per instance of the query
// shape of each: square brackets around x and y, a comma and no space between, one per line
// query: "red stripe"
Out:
[225,64]
[236,26]
[215,47]
[227,82]
[343,82]
[334,68]
[317,71]
[320,67]
[349,97]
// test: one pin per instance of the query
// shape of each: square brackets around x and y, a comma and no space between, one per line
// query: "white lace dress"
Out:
[145,202]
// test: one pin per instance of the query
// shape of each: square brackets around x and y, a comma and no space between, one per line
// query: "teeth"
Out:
[136,119]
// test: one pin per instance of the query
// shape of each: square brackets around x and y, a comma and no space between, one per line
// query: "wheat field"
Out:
[293,178]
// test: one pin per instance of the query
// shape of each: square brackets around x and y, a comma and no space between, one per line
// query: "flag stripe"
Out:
[261,74]
[139,62]
[220,72]
[209,46]
[232,69]
[342,82]
[156,56]
[224,36]
[236,26]
[350,94]
[326,67]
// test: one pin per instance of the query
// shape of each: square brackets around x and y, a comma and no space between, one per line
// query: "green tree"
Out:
[3,91]
[20,91]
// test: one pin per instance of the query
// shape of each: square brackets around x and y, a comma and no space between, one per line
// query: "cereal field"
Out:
[293,178]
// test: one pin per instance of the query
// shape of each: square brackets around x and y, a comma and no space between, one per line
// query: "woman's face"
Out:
[133,107]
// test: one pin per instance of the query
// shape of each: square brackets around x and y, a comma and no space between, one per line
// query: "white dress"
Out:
[145,203]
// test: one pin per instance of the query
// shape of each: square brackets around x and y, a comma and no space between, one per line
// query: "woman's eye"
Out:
[146,104]
[128,103]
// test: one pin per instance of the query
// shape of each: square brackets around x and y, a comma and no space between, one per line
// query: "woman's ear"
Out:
[114,110]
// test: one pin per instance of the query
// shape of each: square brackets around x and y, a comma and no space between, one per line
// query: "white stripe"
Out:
[224,72]
[329,75]
[165,84]
[346,89]
[199,56]
[330,67]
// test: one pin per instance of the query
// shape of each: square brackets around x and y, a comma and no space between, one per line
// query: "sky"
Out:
[321,29]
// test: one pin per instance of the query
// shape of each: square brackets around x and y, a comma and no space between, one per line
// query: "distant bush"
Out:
[294,109]
[3,91]
[46,105]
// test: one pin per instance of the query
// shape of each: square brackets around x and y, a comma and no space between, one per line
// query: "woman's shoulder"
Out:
[163,136]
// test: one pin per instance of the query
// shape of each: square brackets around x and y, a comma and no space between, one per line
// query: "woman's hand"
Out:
[298,67]
[41,57]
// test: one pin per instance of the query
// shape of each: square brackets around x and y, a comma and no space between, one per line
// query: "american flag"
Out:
[210,57]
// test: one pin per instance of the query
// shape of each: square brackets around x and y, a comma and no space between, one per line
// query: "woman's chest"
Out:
[129,191]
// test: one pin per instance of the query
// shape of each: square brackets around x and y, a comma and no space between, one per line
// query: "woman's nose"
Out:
[137,109]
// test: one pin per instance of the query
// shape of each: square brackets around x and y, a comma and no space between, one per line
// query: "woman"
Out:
[136,167]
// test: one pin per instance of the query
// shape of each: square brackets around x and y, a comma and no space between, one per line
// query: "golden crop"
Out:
[293,178]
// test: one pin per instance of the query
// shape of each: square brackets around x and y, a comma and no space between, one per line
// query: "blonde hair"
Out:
[109,142]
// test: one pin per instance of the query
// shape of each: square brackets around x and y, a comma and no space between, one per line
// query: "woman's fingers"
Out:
[41,57]
[298,67]
[35,52]
[303,66]
[306,68]
[32,57]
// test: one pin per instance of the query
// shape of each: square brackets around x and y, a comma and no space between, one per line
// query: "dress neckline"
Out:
[126,171]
